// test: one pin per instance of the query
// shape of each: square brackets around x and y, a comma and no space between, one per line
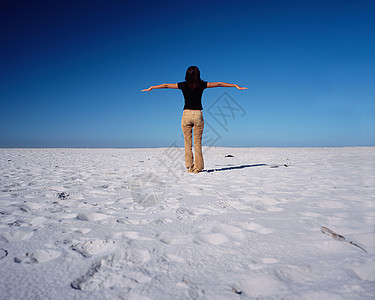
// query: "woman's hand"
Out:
[162,86]
[240,88]
[147,90]
[224,84]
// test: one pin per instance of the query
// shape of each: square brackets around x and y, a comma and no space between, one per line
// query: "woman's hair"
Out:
[193,77]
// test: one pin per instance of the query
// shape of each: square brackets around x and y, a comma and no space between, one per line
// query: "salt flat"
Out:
[131,224]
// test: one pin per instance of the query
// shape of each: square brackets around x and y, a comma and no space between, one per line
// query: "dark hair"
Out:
[193,77]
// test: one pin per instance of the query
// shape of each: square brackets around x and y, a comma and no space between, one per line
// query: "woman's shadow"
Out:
[233,168]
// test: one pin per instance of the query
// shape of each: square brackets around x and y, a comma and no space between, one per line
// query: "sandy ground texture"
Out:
[266,223]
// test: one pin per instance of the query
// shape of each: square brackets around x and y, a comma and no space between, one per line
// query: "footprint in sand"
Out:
[91,216]
[268,260]
[115,271]
[126,220]
[80,230]
[251,226]
[173,239]
[66,216]
[211,238]
[16,235]
[93,247]
[184,214]
[132,235]
[365,270]
[260,285]
[232,232]
[27,222]
[220,234]
[38,256]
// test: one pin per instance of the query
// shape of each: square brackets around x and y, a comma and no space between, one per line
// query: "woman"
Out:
[192,118]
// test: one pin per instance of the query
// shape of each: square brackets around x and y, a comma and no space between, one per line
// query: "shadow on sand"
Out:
[234,168]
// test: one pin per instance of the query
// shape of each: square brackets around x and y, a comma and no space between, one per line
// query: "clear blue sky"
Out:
[72,71]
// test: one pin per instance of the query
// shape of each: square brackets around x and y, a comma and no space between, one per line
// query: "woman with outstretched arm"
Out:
[192,117]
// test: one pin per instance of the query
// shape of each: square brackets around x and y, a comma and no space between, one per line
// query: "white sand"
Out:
[117,224]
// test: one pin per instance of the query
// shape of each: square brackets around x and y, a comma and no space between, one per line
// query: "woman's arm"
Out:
[224,84]
[162,86]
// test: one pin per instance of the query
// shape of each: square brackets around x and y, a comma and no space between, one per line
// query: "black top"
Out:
[193,98]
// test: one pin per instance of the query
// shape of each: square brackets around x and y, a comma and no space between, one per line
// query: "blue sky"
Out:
[72,72]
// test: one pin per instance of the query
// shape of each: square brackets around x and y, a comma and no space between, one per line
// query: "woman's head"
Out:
[193,77]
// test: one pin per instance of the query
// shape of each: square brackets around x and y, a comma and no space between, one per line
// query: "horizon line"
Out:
[164,147]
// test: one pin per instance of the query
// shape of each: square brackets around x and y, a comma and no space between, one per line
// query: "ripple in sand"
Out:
[38,256]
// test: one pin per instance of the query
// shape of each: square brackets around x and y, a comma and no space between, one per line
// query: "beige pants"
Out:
[192,120]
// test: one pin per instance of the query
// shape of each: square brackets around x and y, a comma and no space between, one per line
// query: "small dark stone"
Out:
[15,224]
[229,155]
[63,195]
[237,292]
[17,260]
[3,253]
